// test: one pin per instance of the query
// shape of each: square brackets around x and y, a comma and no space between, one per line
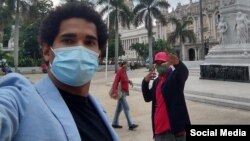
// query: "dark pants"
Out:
[169,137]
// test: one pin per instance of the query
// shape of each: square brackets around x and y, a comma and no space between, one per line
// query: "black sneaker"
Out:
[116,126]
[133,126]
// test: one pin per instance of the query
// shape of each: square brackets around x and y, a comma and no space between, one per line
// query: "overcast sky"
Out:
[173,3]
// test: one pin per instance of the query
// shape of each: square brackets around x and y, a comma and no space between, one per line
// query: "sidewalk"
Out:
[222,93]
[140,110]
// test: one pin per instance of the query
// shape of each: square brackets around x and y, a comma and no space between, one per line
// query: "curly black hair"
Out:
[50,26]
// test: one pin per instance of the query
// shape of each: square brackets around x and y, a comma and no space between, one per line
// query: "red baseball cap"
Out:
[161,56]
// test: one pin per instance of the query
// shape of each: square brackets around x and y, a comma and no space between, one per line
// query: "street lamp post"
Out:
[107,48]
[16,38]
[201,30]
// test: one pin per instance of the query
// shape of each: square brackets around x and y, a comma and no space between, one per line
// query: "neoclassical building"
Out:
[190,11]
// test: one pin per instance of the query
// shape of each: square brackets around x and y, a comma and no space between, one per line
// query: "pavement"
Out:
[222,93]
[201,111]
[208,102]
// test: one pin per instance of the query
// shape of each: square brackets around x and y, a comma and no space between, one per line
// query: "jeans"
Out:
[169,137]
[122,105]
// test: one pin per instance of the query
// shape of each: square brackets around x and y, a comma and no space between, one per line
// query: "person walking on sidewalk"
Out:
[169,110]
[122,78]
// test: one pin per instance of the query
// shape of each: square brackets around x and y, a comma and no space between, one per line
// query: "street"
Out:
[200,113]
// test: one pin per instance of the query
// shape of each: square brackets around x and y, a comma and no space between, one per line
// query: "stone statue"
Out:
[227,2]
[241,28]
[222,29]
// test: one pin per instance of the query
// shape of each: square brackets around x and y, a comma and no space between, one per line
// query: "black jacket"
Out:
[173,93]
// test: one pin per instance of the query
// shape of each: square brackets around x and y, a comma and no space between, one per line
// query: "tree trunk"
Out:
[150,50]
[150,42]
[182,56]
[1,32]
[138,57]
[182,52]
[116,42]
[16,40]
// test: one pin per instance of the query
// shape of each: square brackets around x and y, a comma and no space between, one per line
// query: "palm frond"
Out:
[11,5]
[125,15]
[172,38]
[138,19]
[112,18]
[186,23]
[189,34]
[162,4]
[148,20]
[124,19]
[24,6]
[175,21]
[158,15]
[104,10]
[145,2]
[183,38]
[138,8]
[100,2]
[124,7]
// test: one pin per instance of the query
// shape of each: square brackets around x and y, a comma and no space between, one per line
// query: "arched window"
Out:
[217,17]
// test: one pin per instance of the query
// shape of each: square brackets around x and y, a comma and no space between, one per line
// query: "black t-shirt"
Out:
[89,123]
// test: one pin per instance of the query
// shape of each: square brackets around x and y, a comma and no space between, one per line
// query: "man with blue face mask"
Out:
[59,106]
[169,111]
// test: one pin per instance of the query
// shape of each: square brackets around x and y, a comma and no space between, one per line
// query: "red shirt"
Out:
[44,67]
[161,118]
[122,77]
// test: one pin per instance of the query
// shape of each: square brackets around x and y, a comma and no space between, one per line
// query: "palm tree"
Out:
[139,48]
[118,13]
[182,33]
[145,12]
[14,8]
[4,19]
[84,1]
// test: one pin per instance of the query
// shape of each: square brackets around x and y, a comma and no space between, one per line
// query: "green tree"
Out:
[111,47]
[4,18]
[88,2]
[182,33]
[17,8]
[159,45]
[37,11]
[2,55]
[29,47]
[141,50]
[118,13]
[162,45]
[145,12]
[6,34]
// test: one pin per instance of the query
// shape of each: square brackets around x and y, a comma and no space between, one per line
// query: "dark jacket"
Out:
[173,93]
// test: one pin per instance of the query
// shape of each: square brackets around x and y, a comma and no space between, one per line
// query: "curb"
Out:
[214,99]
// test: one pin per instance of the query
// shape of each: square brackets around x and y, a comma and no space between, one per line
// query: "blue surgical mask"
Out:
[74,66]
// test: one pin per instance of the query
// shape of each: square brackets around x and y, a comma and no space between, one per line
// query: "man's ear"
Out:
[46,52]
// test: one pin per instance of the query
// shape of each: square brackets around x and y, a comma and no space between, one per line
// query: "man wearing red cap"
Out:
[169,110]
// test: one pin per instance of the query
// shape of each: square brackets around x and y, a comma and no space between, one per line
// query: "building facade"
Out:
[190,11]
[129,37]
